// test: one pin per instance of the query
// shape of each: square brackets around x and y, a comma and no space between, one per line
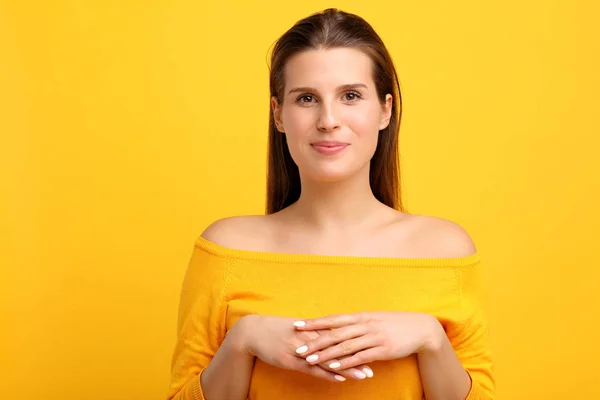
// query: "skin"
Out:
[317,106]
[337,214]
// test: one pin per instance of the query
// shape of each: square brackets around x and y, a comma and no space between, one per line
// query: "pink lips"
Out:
[329,147]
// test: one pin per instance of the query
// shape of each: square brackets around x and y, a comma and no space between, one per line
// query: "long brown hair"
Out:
[333,28]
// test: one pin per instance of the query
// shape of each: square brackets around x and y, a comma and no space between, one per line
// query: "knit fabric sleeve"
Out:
[471,339]
[200,324]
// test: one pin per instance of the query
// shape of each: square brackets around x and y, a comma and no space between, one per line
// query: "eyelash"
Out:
[356,94]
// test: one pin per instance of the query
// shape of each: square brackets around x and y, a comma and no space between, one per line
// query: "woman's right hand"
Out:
[274,340]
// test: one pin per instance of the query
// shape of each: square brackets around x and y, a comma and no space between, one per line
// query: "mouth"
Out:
[329,149]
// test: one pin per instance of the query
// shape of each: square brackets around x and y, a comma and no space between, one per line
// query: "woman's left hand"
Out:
[361,338]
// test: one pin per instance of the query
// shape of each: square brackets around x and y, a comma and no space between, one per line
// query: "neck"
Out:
[336,206]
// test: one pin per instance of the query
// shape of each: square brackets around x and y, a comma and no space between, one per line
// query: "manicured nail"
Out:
[340,378]
[368,372]
[334,365]
[302,349]
[299,323]
[359,375]
[312,358]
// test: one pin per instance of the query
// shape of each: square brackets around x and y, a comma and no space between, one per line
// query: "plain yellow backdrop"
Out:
[128,126]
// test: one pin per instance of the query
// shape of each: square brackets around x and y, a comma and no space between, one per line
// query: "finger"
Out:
[332,337]
[358,373]
[318,372]
[354,361]
[305,336]
[329,322]
[366,370]
[342,349]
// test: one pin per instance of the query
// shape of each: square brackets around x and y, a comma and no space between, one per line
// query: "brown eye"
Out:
[302,98]
[352,96]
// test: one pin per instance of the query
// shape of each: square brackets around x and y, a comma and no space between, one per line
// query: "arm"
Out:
[458,364]
[207,362]
[228,374]
[442,374]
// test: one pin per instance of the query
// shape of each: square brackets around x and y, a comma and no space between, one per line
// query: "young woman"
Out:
[337,292]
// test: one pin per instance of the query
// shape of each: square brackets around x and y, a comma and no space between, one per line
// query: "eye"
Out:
[353,96]
[305,98]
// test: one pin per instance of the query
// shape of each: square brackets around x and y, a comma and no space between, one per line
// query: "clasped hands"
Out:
[348,342]
[338,347]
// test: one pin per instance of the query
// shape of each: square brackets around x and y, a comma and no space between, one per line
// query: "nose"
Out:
[328,118]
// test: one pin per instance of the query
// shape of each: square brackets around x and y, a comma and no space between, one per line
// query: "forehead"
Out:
[328,68]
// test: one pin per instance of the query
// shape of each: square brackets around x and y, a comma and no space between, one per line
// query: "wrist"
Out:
[241,337]
[434,337]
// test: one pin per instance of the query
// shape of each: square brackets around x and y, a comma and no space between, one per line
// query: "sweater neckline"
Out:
[305,258]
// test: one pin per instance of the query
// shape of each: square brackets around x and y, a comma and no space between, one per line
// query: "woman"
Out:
[336,292]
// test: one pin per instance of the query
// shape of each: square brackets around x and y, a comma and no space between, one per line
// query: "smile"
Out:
[329,150]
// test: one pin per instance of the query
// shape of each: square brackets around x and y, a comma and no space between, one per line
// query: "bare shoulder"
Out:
[440,237]
[236,231]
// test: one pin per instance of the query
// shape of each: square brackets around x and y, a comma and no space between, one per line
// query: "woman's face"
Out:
[330,95]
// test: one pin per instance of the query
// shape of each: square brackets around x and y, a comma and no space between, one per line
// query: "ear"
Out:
[386,112]
[277,114]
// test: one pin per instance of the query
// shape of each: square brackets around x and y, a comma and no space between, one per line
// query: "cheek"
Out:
[364,123]
[297,119]
[365,127]
[299,126]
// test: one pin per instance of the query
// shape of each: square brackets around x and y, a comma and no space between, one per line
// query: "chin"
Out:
[329,175]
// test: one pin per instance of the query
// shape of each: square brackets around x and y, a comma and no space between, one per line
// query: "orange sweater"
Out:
[223,284]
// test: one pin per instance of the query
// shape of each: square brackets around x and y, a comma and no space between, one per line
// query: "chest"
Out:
[392,240]
[317,290]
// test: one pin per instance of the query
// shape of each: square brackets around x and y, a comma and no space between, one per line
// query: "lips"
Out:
[328,143]
[329,148]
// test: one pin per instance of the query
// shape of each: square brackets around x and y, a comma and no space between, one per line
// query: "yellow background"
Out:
[128,126]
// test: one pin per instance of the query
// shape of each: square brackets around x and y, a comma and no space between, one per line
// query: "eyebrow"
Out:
[339,88]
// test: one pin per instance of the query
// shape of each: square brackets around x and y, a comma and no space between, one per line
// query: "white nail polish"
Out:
[299,323]
[312,358]
[359,375]
[334,365]
[340,378]
[368,372]
[302,349]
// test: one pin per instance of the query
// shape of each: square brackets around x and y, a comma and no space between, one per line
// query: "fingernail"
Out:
[359,375]
[334,365]
[368,372]
[312,358]
[302,349]
[299,323]
[340,378]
